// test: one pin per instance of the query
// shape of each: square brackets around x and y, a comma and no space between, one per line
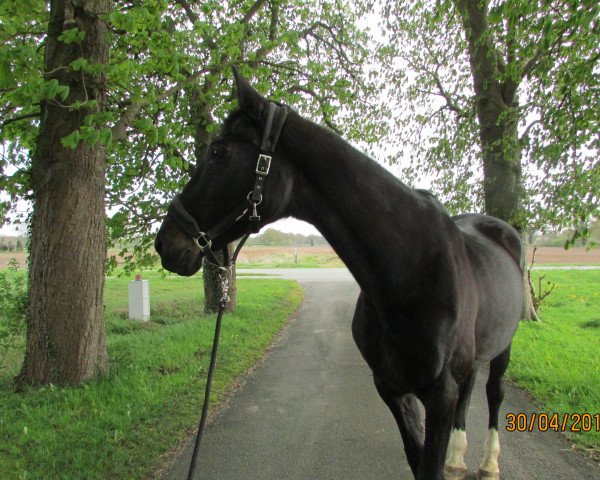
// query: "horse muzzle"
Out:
[184,262]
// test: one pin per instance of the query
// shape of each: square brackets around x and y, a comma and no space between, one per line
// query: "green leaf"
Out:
[78,64]
[63,92]
[71,140]
[52,88]
[106,136]
[144,124]
[91,136]
[72,35]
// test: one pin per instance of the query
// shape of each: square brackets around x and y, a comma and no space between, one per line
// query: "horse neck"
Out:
[369,217]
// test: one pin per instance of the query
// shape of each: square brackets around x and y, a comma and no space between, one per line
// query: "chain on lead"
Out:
[224,274]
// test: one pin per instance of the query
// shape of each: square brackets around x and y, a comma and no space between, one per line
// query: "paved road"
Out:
[310,411]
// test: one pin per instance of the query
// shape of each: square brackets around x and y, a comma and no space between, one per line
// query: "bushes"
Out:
[13,310]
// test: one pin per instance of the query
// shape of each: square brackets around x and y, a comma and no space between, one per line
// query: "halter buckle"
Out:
[207,242]
[263,165]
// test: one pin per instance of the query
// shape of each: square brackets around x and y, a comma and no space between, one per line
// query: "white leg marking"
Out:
[457,447]
[491,450]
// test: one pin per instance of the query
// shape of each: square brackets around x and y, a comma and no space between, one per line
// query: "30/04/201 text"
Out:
[568,422]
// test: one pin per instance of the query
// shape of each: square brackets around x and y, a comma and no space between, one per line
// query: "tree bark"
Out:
[201,119]
[65,331]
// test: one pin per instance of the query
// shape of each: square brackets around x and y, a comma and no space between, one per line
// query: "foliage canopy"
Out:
[543,52]
[168,89]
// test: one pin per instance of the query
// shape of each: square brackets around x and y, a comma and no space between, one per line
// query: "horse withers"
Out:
[440,296]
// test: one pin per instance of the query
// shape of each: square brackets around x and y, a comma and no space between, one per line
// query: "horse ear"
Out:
[249,100]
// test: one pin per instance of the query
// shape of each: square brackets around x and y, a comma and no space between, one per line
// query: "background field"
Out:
[324,256]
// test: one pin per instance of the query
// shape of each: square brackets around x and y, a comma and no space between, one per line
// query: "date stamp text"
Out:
[543,422]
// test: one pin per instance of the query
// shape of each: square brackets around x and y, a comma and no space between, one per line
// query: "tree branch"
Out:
[253,9]
[450,103]
[534,61]
[321,101]
[19,118]
[193,17]
[274,21]
[119,129]
[529,128]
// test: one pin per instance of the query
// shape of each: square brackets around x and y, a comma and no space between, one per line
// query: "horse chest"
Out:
[405,357]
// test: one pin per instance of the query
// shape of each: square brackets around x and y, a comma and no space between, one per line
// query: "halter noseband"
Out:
[275,119]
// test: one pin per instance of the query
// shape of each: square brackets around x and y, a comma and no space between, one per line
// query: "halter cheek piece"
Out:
[275,119]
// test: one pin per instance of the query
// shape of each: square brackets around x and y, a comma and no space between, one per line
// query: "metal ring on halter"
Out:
[208,242]
[255,203]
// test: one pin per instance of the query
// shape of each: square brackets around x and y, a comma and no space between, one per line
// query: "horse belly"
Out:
[500,310]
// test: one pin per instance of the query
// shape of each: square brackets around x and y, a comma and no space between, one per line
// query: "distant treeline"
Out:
[12,244]
[560,238]
[272,237]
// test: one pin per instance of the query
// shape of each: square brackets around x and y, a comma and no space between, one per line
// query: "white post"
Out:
[139,299]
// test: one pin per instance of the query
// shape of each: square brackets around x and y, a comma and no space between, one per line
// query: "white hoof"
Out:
[454,473]
[457,447]
[485,475]
[491,450]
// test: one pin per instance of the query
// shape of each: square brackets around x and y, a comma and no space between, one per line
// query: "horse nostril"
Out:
[158,245]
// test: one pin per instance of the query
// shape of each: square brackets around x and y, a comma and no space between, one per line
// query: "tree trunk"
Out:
[201,119]
[496,105]
[65,331]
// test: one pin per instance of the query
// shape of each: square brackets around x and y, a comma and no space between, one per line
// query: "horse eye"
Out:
[215,153]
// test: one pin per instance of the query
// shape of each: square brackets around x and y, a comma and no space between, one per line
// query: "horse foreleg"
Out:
[440,404]
[457,446]
[406,412]
[495,394]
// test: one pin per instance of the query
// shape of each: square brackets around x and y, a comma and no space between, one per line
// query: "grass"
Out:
[558,360]
[120,426]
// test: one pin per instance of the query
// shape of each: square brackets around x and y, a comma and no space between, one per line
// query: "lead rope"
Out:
[223,277]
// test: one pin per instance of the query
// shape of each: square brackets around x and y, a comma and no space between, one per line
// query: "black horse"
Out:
[440,295]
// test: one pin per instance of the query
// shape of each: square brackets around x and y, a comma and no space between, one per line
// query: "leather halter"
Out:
[276,116]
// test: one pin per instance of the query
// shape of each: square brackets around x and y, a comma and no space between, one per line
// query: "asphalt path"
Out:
[311,411]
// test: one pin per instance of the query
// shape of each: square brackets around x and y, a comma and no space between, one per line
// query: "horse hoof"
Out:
[455,473]
[485,475]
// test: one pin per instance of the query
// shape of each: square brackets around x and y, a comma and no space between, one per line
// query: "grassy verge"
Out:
[558,360]
[119,426]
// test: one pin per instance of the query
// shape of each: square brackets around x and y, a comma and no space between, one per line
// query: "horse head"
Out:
[234,190]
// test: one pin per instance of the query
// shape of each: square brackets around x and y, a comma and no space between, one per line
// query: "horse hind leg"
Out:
[406,413]
[455,468]
[495,394]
